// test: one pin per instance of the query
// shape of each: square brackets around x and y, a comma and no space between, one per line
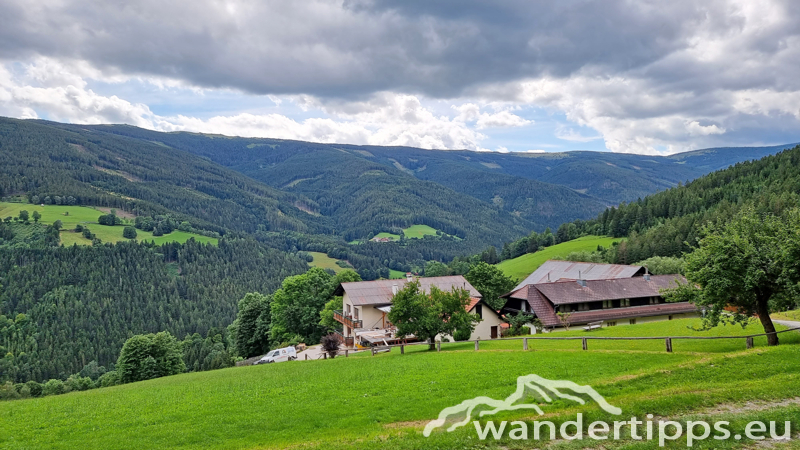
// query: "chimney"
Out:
[646,274]
[548,277]
[409,277]
[581,281]
[394,289]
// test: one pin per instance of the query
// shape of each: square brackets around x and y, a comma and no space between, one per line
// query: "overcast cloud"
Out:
[645,77]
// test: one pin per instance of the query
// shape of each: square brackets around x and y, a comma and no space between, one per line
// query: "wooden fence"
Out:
[749,343]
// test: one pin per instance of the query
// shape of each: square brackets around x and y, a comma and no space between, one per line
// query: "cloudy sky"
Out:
[503,75]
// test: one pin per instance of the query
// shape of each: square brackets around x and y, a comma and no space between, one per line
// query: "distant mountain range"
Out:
[349,191]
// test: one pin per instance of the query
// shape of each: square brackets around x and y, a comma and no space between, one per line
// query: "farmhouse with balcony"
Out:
[609,293]
[367,303]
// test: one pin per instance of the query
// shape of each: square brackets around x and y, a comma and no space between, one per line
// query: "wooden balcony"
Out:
[347,320]
[349,341]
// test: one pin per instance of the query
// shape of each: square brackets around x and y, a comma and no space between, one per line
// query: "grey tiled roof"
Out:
[379,292]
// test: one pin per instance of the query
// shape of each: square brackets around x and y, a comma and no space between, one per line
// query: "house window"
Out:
[355,311]
[633,321]
[566,308]
[611,324]
[608,304]
[348,309]
[625,302]
[583,306]
[654,300]
[479,310]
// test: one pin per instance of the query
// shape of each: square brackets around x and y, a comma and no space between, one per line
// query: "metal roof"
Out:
[379,292]
[553,270]
[568,292]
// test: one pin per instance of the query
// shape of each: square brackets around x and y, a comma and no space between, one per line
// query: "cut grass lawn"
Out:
[325,262]
[383,402]
[524,265]
[71,216]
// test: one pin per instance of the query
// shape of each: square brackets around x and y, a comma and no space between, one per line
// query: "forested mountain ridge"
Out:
[668,223]
[605,177]
[142,177]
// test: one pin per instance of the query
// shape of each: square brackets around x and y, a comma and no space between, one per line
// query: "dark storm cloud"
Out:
[332,49]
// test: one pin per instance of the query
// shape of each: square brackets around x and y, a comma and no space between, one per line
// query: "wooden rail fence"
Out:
[749,343]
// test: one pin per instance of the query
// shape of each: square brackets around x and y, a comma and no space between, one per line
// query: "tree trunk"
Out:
[432,343]
[763,315]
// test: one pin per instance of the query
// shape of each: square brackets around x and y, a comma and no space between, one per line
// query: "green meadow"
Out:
[384,402]
[325,262]
[71,216]
[412,232]
[522,266]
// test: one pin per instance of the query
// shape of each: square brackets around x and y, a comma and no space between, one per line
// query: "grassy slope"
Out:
[88,216]
[418,231]
[383,402]
[524,265]
[324,261]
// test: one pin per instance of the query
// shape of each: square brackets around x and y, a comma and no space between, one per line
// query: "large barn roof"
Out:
[553,270]
[379,292]
[569,292]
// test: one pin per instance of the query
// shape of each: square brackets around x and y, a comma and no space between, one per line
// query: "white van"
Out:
[279,355]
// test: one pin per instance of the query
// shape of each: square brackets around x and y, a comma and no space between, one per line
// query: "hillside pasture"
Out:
[419,231]
[324,261]
[383,402]
[71,216]
[522,266]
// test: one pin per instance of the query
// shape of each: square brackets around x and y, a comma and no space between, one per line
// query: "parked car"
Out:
[279,355]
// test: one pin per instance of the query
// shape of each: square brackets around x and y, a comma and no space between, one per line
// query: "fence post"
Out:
[477,344]
[438,346]
[324,356]
[402,349]
[749,342]
[669,345]
[585,344]
[524,343]
[346,353]
[306,356]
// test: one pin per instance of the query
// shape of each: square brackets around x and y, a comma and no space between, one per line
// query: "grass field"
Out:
[324,261]
[787,315]
[70,216]
[419,231]
[524,265]
[412,232]
[383,402]
[396,274]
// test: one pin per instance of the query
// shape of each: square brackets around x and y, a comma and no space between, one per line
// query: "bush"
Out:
[34,388]
[330,344]
[129,233]
[108,379]
[8,391]
[53,387]
[148,356]
[78,383]
[462,335]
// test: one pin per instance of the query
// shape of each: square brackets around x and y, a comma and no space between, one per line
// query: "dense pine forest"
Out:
[63,307]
